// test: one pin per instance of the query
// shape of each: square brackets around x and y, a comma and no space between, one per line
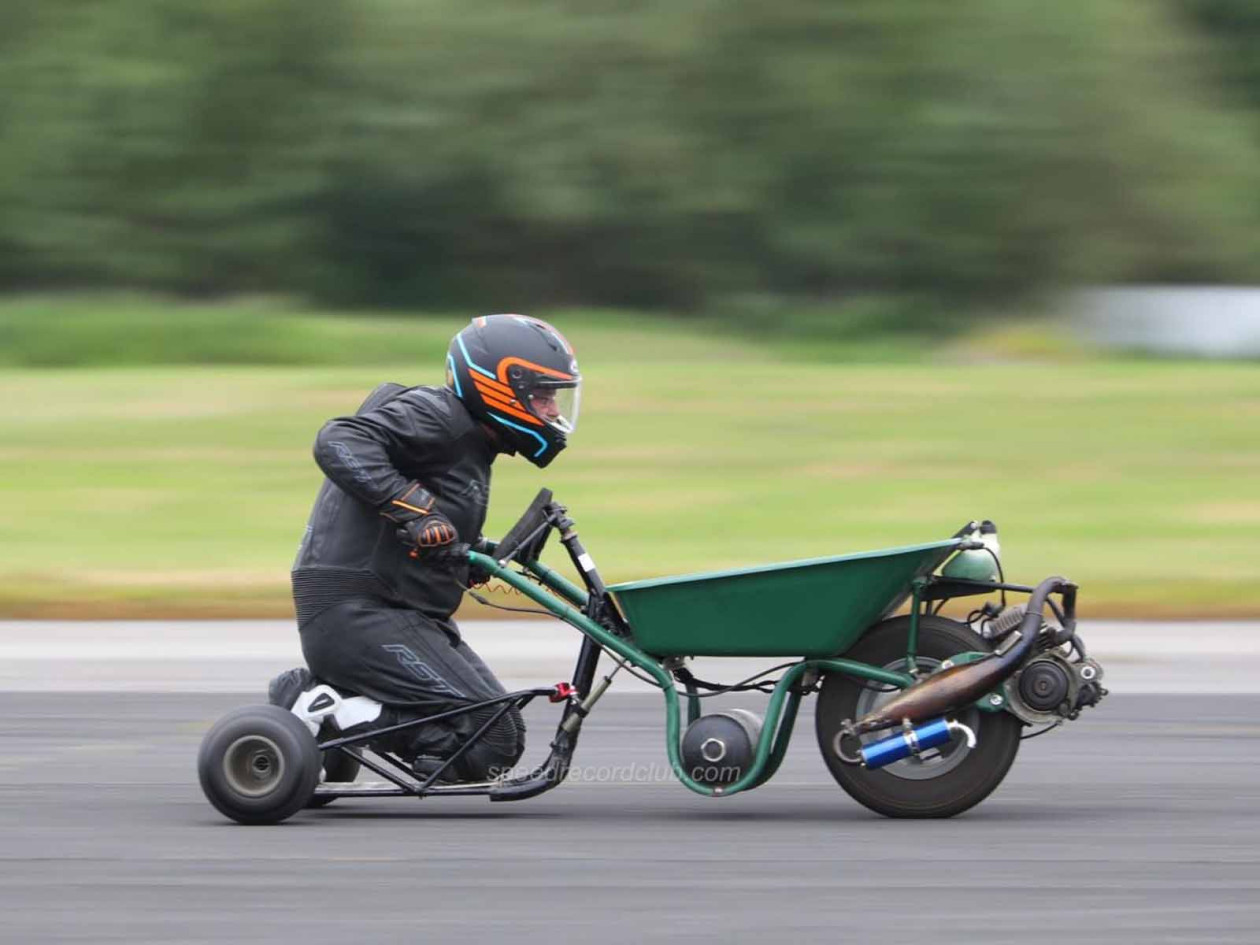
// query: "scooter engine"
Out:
[1053,687]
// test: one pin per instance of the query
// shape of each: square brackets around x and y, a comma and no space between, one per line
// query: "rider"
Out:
[383,564]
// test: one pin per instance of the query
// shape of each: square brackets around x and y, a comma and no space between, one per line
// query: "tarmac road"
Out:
[1138,823]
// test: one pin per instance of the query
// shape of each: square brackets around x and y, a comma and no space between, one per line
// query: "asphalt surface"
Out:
[1137,823]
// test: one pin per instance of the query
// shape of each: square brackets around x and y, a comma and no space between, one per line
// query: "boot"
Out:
[285,688]
[424,765]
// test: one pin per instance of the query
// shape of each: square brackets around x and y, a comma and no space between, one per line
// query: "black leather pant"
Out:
[416,666]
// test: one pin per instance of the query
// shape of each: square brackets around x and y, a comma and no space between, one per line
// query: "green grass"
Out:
[121,330]
[184,488]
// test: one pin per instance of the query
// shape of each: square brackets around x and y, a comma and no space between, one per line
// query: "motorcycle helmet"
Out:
[517,374]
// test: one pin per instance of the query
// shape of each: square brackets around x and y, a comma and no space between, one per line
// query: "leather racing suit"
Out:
[376,621]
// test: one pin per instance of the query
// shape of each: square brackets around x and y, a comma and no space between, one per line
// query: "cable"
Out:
[621,664]
[1052,725]
[1001,574]
[735,687]
[515,610]
[638,675]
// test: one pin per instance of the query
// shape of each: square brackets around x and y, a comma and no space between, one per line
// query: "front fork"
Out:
[585,691]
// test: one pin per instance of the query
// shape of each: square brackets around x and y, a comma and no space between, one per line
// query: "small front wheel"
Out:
[941,783]
[259,765]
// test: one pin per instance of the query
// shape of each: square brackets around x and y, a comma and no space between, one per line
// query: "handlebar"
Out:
[525,539]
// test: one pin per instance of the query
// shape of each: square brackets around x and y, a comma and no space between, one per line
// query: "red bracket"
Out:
[562,692]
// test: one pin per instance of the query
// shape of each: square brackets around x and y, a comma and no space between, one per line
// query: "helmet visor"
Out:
[557,406]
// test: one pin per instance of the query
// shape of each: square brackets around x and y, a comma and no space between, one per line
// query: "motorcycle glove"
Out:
[421,526]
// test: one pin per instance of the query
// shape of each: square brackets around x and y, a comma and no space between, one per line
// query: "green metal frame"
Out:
[784,700]
[912,637]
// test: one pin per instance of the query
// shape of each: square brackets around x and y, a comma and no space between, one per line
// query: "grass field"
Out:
[142,490]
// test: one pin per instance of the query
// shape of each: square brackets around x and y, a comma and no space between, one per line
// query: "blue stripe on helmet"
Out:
[476,367]
[450,363]
[516,426]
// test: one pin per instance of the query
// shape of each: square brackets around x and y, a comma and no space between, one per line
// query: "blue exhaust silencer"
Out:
[913,741]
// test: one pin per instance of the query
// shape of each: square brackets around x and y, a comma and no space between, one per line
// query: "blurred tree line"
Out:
[631,152]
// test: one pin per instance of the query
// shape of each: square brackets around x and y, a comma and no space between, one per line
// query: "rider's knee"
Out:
[498,749]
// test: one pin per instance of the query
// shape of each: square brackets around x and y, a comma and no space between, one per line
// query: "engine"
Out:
[1052,687]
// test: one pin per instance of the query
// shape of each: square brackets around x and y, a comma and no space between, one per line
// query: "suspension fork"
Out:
[598,609]
[585,692]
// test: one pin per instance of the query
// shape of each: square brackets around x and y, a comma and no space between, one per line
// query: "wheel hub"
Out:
[253,765]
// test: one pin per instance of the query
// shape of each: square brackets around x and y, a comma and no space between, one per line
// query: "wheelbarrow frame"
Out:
[593,612]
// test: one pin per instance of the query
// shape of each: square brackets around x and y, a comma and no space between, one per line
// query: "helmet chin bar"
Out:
[540,449]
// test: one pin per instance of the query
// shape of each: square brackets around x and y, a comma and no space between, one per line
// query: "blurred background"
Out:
[840,277]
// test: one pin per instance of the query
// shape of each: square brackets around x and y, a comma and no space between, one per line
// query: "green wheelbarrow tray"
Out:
[811,608]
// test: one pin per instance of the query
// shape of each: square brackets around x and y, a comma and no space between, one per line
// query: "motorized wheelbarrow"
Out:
[918,715]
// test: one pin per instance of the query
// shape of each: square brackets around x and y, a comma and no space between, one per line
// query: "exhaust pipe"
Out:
[912,741]
[957,686]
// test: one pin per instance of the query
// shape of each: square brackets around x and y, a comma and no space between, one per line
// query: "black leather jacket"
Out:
[399,437]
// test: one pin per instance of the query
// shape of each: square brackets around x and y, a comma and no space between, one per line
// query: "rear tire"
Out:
[258,765]
[945,782]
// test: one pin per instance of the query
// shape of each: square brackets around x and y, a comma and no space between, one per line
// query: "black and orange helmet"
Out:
[519,375]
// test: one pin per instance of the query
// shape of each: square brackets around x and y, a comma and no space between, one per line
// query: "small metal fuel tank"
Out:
[719,748]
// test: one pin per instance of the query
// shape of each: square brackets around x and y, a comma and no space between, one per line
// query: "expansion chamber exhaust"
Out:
[959,686]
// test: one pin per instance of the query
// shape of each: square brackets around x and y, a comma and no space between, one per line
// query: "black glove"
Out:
[476,573]
[421,526]
[431,533]
[452,557]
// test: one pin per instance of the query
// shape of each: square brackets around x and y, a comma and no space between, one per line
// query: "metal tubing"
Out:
[763,765]
[389,776]
[390,760]
[526,694]
[949,588]
[781,740]
[347,750]
[551,772]
[587,664]
[693,700]
[863,671]
[581,559]
[475,789]
[774,712]
[572,617]
[573,720]
[557,582]
[588,658]
[468,743]
[912,638]
[374,792]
